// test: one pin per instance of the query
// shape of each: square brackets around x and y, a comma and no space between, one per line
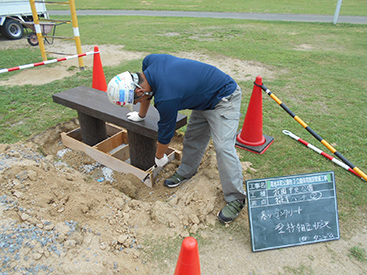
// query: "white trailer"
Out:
[15,13]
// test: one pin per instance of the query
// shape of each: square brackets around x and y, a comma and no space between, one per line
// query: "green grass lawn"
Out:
[327,7]
[319,73]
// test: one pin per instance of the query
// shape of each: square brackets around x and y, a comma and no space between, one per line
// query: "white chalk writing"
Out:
[317,237]
[291,227]
[285,195]
[279,213]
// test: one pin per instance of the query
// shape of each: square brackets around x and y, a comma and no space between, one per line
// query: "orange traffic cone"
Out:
[251,136]
[188,261]
[99,80]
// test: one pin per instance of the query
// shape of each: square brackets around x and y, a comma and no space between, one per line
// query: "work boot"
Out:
[175,180]
[231,211]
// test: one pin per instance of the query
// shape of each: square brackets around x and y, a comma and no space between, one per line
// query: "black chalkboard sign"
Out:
[292,210]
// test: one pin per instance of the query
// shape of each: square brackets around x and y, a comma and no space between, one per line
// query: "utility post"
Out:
[337,10]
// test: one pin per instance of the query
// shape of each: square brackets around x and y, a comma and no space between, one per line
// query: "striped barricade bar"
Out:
[31,65]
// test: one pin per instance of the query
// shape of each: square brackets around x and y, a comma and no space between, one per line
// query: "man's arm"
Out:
[144,106]
[161,150]
[161,158]
[168,110]
[143,110]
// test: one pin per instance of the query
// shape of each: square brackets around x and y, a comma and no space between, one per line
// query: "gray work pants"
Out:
[221,124]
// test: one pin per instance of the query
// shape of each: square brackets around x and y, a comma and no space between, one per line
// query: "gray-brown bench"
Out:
[94,110]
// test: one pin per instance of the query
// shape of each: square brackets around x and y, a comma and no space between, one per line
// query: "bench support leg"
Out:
[142,150]
[93,129]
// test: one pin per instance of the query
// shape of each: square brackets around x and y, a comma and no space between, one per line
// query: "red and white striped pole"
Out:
[309,145]
[31,65]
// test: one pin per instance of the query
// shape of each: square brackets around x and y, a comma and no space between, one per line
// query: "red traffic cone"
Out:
[99,80]
[188,262]
[251,136]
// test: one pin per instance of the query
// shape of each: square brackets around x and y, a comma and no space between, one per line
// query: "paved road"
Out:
[230,15]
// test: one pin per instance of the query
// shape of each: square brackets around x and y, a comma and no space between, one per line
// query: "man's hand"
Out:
[134,116]
[161,162]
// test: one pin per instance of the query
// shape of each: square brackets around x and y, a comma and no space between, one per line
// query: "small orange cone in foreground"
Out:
[188,262]
[251,137]
[99,80]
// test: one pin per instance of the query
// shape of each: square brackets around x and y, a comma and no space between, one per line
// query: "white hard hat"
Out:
[120,89]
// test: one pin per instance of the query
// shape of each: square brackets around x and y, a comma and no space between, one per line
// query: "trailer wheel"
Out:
[12,29]
[32,39]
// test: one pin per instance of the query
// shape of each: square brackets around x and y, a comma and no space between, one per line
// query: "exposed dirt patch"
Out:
[305,47]
[63,213]
[112,55]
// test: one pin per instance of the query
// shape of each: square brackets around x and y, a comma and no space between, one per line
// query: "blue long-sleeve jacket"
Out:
[179,84]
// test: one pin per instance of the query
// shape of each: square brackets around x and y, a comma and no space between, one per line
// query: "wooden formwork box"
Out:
[114,151]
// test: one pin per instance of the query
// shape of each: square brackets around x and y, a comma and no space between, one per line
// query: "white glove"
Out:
[134,116]
[161,162]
